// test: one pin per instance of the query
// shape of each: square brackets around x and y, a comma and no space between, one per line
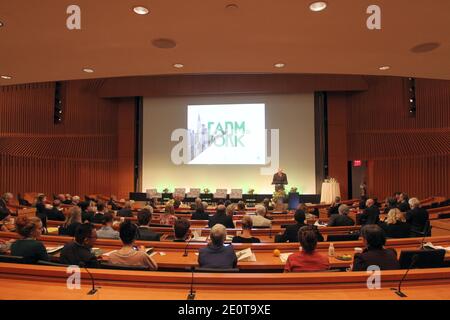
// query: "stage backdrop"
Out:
[293,115]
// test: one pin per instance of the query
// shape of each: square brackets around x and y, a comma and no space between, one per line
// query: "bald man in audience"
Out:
[371,214]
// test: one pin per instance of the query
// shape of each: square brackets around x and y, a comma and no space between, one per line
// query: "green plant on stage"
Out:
[293,190]
[206,190]
[251,191]
[278,195]
[166,190]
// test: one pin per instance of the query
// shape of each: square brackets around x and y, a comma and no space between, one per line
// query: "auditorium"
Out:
[225,150]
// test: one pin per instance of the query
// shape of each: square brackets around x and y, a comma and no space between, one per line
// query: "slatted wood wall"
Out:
[410,154]
[79,156]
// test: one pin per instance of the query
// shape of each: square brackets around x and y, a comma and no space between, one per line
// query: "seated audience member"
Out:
[227,203]
[72,222]
[375,253]
[176,203]
[333,209]
[168,217]
[216,254]
[181,230]
[113,203]
[129,255]
[107,231]
[371,214]
[403,204]
[197,204]
[308,258]
[267,204]
[417,217]
[241,206]
[260,220]
[68,199]
[101,210]
[4,201]
[309,212]
[362,202]
[246,235]
[75,200]
[220,217]
[27,246]
[390,203]
[144,217]
[55,213]
[291,231]
[41,209]
[396,196]
[230,209]
[79,251]
[200,213]
[61,198]
[22,201]
[126,210]
[341,219]
[394,225]
[88,213]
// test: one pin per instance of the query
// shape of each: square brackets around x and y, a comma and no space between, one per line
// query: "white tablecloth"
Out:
[330,190]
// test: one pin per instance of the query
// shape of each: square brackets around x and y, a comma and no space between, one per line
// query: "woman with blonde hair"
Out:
[168,216]
[230,209]
[72,222]
[394,225]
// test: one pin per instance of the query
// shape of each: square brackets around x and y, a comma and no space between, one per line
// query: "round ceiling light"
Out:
[178,65]
[1,24]
[384,68]
[164,43]
[6,77]
[317,6]
[140,10]
[279,65]
[88,70]
[425,47]
[231,6]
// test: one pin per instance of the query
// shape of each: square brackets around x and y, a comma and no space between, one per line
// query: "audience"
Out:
[260,220]
[216,254]
[241,206]
[4,201]
[55,213]
[375,254]
[168,217]
[89,212]
[79,251]
[75,200]
[371,214]
[41,208]
[341,219]
[73,221]
[417,218]
[362,202]
[307,259]
[333,209]
[130,255]
[126,210]
[390,203]
[403,204]
[220,217]
[230,209]
[200,213]
[144,217]
[394,225]
[27,246]
[267,204]
[246,235]
[107,231]
[181,230]
[291,231]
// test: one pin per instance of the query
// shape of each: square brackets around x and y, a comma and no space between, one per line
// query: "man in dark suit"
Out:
[216,254]
[371,214]
[417,218]
[333,209]
[279,179]
[4,200]
[375,254]
[341,219]
[144,232]
[55,213]
[126,210]
[221,218]
[403,204]
[291,232]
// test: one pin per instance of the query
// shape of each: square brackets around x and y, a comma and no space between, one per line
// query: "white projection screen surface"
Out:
[227,146]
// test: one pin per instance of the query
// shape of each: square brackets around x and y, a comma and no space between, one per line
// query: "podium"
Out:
[330,190]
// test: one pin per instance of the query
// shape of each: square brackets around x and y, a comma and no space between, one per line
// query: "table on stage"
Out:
[330,190]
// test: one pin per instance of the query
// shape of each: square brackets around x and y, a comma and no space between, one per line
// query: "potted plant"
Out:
[251,191]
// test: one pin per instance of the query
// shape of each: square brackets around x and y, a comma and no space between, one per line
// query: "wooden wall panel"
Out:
[410,154]
[79,156]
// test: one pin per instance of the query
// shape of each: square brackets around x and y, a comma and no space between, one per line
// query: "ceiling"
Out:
[36,46]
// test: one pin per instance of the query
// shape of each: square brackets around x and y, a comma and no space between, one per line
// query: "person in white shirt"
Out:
[260,220]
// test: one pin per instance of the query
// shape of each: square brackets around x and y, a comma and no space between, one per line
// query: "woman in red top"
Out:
[307,259]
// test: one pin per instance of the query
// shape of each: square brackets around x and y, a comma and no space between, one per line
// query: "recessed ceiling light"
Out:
[88,70]
[140,10]
[231,6]
[317,6]
[384,68]
[178,65]
[279,65]
[1,24]
[6,77]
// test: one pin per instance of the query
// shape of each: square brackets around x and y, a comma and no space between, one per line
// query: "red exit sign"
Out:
[357,163]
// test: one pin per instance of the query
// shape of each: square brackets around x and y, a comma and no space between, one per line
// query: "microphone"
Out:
[398,291]
[270,231]
[185,254]
[191,295]
[94,289]
[427,226]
